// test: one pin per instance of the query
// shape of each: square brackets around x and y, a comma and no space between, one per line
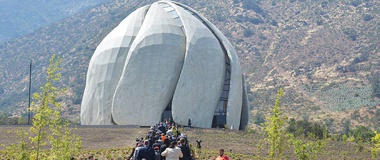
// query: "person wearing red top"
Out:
[222,156]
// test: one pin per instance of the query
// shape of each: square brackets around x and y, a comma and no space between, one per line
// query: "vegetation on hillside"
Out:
[325,53]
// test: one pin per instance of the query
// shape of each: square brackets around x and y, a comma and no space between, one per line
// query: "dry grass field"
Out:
[116,143]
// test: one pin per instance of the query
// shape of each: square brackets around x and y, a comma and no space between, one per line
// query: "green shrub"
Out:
[351,33]
[261,36]
[362,134]
[274,127]
[367,17]
[274,23]
[376,147]
[307,150]
[355,3]
[253,5]
[255,20]
[375,84]
[259,118]
[247,33]
[305,128]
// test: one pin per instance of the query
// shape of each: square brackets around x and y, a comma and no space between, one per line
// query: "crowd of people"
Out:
[164,142]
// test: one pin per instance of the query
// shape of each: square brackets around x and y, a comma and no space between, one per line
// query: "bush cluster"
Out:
[306,129]
[375,84]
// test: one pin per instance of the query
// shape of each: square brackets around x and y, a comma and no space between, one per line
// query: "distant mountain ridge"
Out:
[20,17]
[324,54]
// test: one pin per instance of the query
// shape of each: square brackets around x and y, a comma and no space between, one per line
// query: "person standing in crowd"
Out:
[163,147]
[170,132]
[130,157]
[167,123]
[222,156]
[174,130]
[157,152]
[172,152]
[183,135]
[185,149]
[135,152]
[146,152]
[151,140]
[162,128]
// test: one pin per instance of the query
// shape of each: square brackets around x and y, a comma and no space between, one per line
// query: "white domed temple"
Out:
[163,61]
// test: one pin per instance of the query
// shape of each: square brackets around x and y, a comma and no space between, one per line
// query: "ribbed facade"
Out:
[165,58]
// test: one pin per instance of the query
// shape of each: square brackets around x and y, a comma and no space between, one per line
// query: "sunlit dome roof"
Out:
[165,60]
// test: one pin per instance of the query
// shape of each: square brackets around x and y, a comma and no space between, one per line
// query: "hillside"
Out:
[23,17]
[324,54]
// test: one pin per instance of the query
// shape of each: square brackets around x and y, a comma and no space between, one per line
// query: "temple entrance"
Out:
[218,121]
[220,115]
[220,118]
[167,112]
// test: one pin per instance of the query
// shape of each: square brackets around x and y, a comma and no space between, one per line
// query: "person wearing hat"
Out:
[157,152]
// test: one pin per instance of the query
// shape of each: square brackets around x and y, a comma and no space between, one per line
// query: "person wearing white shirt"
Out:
[172,152]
